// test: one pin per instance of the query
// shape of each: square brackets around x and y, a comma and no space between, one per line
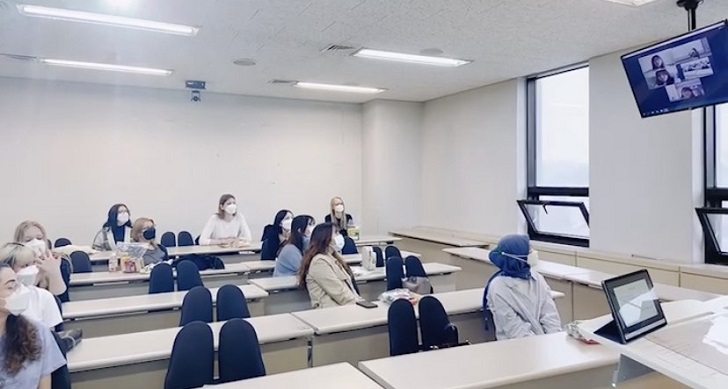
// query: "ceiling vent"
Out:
[282,82]
[338,49]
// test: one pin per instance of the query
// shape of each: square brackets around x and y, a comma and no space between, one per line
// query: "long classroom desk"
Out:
[140,360]
[582,287]
[259,269]
[94,285]
[123,315]
[286,296]
[336,376]
[362,332]
[103,256]
[553,361]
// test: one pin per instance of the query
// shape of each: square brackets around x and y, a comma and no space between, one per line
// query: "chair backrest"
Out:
[192,363]
[66,270]
[188,275]
[162,279]
[197,240]
[60,378]
[59,327]
[433,322]
[269,249]
[61,242]
[394,273]
[402,328]
[413,267]
[168,239]
[349,246]
[196,306]
[231,303]
[81,262]
[380,256]
[392,251]
[239,355]
[184,238]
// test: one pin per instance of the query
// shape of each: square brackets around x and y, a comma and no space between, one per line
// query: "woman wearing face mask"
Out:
[289,259]
[144,231]
[29,352]
[42,305]
[338,216]
[227,226]
[518,298]
[324,273]
[275,235]
[33,235]
[117,228]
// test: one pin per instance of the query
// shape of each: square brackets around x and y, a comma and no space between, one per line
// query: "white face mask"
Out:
[308,232]
[122,218]
[339,208]
[531,259]
[38,246]
[18,302]
[338,242]
[286,224]
[28,275]
[231,209]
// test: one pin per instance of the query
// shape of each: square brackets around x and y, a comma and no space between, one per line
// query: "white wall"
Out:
[645,174]
[474,159]
[69,151]
[392,165]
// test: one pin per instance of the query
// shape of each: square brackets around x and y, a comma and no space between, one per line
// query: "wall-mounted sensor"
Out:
[194,84]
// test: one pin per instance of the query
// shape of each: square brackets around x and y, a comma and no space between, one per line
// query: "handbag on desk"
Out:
[71,338]
[419,285]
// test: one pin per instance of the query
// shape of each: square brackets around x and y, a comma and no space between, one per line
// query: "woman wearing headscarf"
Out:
[518,298]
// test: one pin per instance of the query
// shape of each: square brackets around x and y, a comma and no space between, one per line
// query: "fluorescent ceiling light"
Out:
[338,88]
[410,58]
[111,20]
[634,3]
[103,66]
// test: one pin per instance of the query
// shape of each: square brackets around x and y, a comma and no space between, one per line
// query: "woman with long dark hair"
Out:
[117,228]
[29,353]
[291,255]
[275,235]
[324,273]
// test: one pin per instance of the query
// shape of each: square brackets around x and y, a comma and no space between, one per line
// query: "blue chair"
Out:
[394,273]
[188,275]
[61,242]
[413,267]
[196,306]
[197,240]
[60,378]
[392,251]
[231,303]
[162,279]
[66,270]
[435,326]
[81,262]
[402,328]
[192,363]
[184,238]
[59,327]
[380,256]
[168,239]
[349,246]
[239,352]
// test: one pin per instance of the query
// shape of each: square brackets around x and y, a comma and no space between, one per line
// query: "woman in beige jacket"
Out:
[324,273]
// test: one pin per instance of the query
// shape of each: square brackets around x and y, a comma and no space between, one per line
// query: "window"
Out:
[557,207]
[714,216]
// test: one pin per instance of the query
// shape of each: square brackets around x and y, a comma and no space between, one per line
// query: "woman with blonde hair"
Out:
[227,226]
[32,234]
[144,231]
[338,215]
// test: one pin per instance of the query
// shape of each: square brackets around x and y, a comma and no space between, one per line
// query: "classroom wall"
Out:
[68,151]
[646,175]
[473,159]
[392,165]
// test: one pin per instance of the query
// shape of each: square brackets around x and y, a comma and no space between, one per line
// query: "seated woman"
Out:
[42,305]
[227,226]
[289,259]
[117,228]
[29,352]
[519,299]
[275,235]
[33,235]
[143,231]
[324,273]
[338,216]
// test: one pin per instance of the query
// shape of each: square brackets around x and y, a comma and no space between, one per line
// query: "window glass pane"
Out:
[562,129]
[721,146]
[720,228]
[559,220]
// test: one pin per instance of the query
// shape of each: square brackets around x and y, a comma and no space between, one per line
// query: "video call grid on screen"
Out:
[679,69]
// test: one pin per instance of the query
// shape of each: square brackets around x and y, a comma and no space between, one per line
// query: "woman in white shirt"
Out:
[227,226]
[33,235]
[42,306]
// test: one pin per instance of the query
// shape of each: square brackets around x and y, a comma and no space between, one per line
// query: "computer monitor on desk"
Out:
[636,310]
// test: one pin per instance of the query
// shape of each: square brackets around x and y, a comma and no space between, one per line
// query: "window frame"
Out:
[714,194]
[533,190]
